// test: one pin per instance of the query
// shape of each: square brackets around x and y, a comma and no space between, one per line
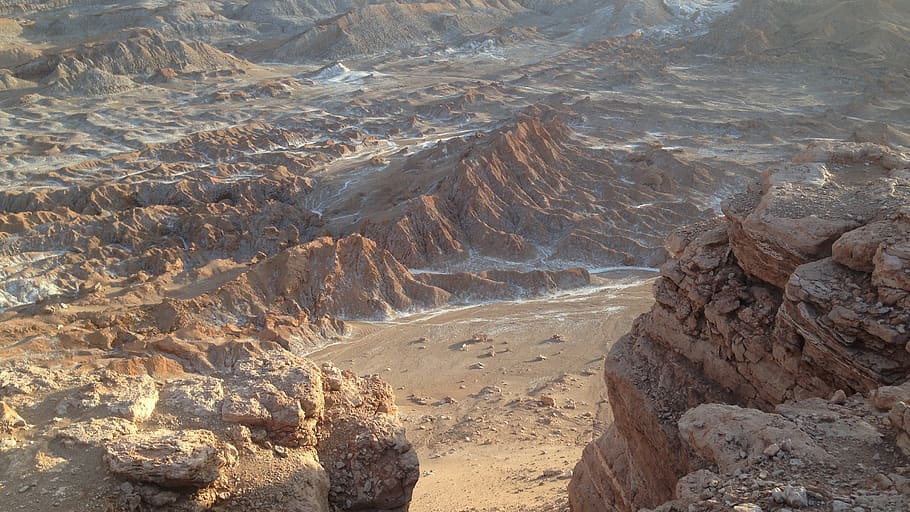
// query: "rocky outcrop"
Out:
[799,292]
[305,293]
[261,430]
[188,458]
[811,454]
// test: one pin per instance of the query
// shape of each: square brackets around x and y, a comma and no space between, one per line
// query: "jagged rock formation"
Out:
[168,211]
[263,430]
[800,292]
[529,192]
[303,294]
[350,278]
[394,26]
[135,52]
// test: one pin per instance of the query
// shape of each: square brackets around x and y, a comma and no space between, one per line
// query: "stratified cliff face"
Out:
[801,290]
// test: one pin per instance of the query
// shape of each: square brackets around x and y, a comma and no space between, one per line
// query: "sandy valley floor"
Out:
[483,434]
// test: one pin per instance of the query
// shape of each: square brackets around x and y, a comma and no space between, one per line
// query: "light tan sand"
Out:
[498,450]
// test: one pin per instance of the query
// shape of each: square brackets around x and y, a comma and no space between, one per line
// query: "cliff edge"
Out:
[743,386]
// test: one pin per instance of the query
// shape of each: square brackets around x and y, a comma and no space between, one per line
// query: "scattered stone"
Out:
[882,481]
[481,338]
[841,506]
[747,507]
[838,398]
[419,400]
[547,401]
[490,390]
[771,450]
[795,496]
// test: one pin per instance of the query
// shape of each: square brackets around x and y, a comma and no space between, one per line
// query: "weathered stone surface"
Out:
[850,340]
[264,429]
[887,397]
[723,433]
[10,419]
[371,465]
[857,249]
[94,431]
[800,292]
[825,457]
[891,277]
[279,392]
[798,210]
[900,420]
[198,396]
[602,479]
[168,458]
[640,474]
[132,397]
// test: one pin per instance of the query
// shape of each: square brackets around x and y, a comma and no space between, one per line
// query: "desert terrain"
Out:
[271,254]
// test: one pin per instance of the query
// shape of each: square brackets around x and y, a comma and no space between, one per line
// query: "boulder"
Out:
[169,458]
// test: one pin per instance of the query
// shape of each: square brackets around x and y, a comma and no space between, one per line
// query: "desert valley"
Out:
[455,255]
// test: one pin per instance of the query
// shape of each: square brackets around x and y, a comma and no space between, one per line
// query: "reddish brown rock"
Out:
[803,291]
[528,191]
[371,464]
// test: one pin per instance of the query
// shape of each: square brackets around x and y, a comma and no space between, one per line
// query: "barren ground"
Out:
[485,439]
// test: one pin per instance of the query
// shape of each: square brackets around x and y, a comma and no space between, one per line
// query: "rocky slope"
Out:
[801,291]
[301,296]
[530,191]
[256,429]
[840,32]
[387,27]
[132,52]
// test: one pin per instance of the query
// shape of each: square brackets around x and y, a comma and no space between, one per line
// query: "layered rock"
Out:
[350,278]
[811,454]
[305,293]
[189,458]
[530,192]
[799,292]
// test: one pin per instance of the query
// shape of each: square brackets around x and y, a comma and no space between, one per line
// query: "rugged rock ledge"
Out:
[801,291]
[258,428]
